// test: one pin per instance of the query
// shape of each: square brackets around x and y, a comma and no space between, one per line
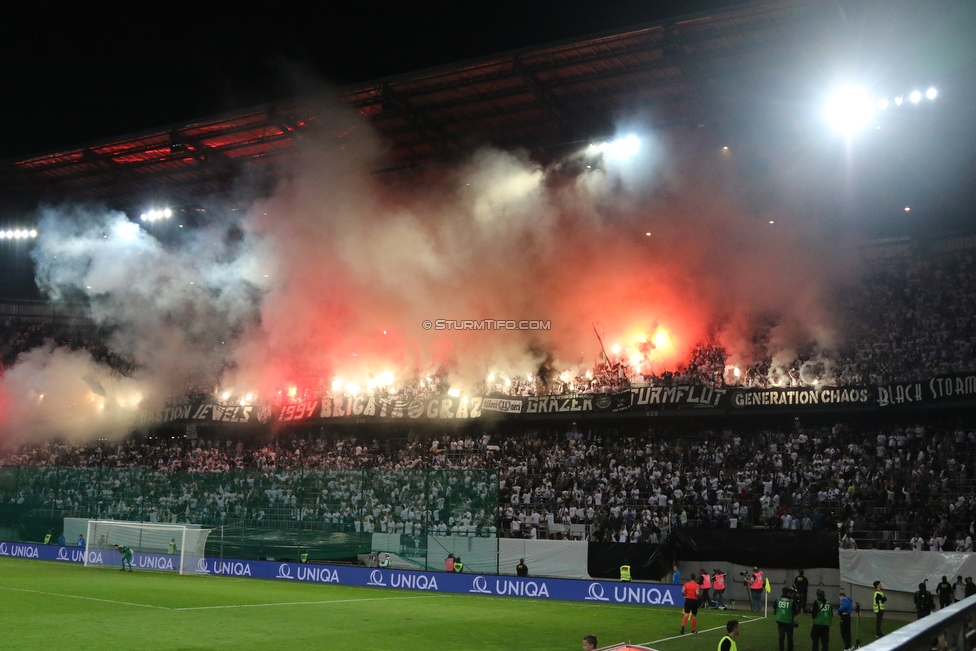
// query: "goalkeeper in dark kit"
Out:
[126,556]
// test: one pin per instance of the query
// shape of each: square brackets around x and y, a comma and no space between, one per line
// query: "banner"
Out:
[646,401]
[504,406]
[940,389]
[678,397]
[648,562]
[805,397]
[577,403]
[766,548]
[441,408]
[643,594]
[207,413]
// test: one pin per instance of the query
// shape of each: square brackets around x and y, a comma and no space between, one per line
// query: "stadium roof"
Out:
[681,71]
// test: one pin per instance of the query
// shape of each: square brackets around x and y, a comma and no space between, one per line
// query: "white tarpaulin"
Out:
[565,559]
[903,570]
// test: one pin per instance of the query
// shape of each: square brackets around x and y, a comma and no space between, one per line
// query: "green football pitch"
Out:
[46,605]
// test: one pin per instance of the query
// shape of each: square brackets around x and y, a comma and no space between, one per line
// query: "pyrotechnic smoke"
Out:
[330,279]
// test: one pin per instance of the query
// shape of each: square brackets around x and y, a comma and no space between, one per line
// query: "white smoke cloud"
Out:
[333,274]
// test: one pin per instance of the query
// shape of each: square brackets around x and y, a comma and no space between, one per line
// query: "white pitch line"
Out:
[75,596]
[707,630]
[303,603]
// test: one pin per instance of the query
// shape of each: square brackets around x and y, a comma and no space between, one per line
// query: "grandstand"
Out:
[701,394]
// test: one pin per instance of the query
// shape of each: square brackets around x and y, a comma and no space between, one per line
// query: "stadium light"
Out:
[620,148]
[916,96]
[624,148]
[849,110]
[931,93]
[883,103]
[898,100]
[154,214]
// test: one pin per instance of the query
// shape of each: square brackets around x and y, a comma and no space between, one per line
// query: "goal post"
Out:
[155,546]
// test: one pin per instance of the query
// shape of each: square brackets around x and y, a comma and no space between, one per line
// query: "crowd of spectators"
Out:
[329,484]
[885,486]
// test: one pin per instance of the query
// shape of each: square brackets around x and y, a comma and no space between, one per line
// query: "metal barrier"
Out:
[955,623]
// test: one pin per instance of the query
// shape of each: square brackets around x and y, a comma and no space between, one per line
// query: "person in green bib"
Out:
[625,572]
[126,556]
[786,610]
[823,614]
[727,643]
[171,547]
[458,565]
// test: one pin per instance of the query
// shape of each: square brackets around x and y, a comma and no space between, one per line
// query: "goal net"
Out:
[166,547]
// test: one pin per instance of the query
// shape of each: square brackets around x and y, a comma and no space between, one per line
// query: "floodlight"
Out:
[931,93]
[898,100]
[3,235]
[915,96]
[17,234]
[883,103]
[167,213]
[33,233]
[143,217]
[10,233]
[849,110]
[624,148]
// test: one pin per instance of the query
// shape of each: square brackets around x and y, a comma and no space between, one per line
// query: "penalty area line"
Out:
[707,630]
[75,596]
[303,603]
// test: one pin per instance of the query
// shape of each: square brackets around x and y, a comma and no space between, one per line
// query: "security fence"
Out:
[279,514]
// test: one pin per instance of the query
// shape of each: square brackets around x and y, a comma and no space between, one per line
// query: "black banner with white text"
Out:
[647,400]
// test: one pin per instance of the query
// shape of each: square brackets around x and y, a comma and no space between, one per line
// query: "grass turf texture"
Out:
[46,605]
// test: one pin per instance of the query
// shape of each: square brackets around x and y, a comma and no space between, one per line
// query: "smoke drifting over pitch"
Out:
[330,278]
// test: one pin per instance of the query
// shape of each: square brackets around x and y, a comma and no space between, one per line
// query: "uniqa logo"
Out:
[319,574]
[3,550]
[595,593]
[413,581]
[480,585]
[651,596]
[231,567]
[521,589]
[202,566]
[284,572]
[154,562]
[376,578]
[94,558]
[24,551]
[77,555]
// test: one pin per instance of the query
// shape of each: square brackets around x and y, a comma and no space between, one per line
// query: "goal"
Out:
[166,547]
